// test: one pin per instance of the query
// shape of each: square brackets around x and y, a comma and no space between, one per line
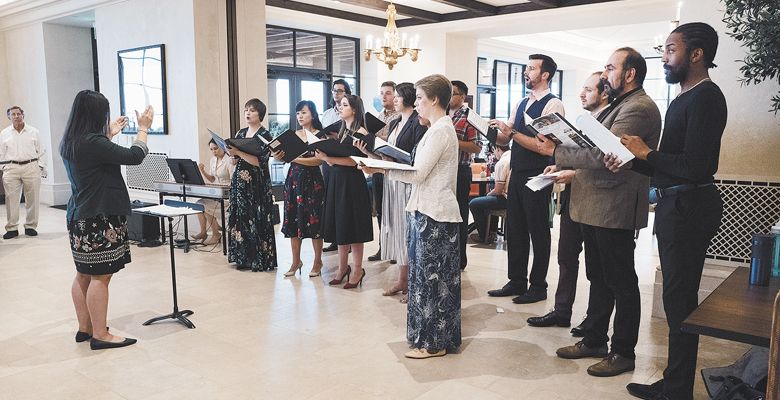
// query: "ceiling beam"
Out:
[471,5]
[547,3]
[326,11]
[381,5]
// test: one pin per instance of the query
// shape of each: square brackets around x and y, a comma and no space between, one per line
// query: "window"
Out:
[655,84]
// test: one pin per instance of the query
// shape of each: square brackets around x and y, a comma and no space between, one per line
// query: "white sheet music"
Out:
[539,182]
[168,211]
[605,140]
[382,164]
[478,122]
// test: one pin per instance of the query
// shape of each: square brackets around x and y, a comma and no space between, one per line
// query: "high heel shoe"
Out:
[314,274]
[294,270]
[350,285]
[394,290]
[335,281]
[198,236]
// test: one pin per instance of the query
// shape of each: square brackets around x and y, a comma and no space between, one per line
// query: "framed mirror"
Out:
[142,83]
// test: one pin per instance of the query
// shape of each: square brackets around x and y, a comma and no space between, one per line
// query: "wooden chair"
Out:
[501,226]
[773,380]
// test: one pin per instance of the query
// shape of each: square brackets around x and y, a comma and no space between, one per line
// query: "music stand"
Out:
[185,171]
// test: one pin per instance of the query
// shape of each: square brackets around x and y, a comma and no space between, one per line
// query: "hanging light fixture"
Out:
[392,46]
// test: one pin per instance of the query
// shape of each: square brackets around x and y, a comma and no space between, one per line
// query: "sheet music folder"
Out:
[247,145]
[482,126]
[290,143]
[330,147]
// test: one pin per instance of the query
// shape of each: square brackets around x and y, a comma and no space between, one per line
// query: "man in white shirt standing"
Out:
[19,152]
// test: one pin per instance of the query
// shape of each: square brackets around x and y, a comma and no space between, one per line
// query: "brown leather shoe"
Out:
[612,365]
[579,350]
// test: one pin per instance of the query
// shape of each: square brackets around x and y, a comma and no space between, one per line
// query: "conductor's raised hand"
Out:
[612,162]
[145,118]
[116,126]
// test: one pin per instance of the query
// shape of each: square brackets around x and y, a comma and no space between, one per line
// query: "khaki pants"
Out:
[15,178]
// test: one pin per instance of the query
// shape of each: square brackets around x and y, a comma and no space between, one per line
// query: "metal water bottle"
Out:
[761,259]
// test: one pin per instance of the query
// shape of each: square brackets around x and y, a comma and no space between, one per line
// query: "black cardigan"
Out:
[96,177]
[410,134]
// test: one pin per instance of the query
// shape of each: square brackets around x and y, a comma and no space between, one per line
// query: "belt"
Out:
[675,190]
[20,162]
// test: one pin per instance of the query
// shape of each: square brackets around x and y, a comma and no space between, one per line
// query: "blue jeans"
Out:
[480,207]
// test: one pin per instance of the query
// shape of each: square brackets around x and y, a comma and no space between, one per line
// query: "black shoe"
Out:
[242,267]
[377,256]
[83,336]
[95,344]
[579,330]
[11,234]
[393,261]
[332,247]
[508,290]
[550,319]
[531,296]
[646,392]
[30,232]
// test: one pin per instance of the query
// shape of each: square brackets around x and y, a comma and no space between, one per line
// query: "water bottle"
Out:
[776,256]
[761,259]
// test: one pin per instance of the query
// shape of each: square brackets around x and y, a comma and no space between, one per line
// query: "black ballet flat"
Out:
[83,336]
[95,344]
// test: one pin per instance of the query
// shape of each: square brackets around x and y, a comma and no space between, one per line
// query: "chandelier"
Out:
[392,46]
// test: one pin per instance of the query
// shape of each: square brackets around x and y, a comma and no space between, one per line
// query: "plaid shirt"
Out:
[465,132]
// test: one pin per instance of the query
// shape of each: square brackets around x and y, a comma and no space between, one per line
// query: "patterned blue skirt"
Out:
[433,320]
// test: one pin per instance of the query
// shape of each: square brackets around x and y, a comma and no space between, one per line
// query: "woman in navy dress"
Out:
[304,194]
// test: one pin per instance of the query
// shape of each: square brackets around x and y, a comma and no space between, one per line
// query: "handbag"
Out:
[733,388]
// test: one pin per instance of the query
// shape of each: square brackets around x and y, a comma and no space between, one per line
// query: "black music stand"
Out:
[185,171]
[183,209]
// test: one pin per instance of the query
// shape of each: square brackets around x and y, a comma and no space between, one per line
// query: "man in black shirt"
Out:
[689,206]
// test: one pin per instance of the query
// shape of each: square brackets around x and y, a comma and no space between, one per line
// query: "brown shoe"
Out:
[420,354]
[579,350]
[612,365]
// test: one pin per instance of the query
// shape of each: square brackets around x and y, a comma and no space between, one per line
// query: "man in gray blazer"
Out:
[611,207]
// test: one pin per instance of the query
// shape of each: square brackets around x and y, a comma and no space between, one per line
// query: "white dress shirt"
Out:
[554,105]
[330,116]
[502,170]
[19,146]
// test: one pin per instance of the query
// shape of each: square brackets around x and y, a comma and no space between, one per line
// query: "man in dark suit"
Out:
[611,207]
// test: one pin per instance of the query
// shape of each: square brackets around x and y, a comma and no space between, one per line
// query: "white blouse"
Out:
[221,170]
[435,178]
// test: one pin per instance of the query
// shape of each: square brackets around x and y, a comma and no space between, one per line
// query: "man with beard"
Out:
[527,212]
[610,207]
[689,206]
[594,99]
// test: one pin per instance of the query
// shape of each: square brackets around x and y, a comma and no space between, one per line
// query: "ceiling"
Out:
[420,12]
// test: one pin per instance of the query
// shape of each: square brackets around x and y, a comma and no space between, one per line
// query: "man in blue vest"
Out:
[527,212]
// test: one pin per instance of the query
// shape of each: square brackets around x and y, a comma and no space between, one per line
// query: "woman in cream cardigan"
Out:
[433,321]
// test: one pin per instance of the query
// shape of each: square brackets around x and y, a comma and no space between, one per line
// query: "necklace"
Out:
[697,84]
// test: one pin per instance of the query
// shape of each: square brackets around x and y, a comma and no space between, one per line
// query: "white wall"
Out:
[752,137]
[4,93]
[68,53]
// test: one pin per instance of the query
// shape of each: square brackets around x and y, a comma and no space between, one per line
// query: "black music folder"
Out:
[331,147]
[373,124]
[247,145]
[482,126]
[290,143]
[330,130]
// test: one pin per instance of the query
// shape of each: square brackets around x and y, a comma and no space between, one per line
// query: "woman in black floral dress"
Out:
[251,229]
[304,194]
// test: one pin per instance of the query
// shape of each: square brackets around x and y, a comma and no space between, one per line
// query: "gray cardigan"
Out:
[96,177]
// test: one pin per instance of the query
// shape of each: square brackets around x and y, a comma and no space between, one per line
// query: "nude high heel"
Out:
[294,270]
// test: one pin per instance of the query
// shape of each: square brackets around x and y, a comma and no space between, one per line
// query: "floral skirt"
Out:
[99,244]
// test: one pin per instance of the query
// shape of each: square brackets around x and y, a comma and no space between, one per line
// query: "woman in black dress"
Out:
[304,194]
[250,224]
[98,208]
[347,216]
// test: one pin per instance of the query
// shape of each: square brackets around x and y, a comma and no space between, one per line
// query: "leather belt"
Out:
[23,162]
[675,190]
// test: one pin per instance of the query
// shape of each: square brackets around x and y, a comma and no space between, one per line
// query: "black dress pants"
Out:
[569,249]
[527,223]
[462,195]
[685,225]
[609,264]
[378,191]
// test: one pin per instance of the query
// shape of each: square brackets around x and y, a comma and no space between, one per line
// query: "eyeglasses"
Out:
[338,90]
[457,94]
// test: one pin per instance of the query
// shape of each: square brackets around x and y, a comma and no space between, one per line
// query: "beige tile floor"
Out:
[261,336]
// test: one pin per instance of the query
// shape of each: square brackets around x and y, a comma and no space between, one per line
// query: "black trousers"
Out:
[378,191]
[609,264]
[527,223]
[569,249]
[462,194]
[685,225]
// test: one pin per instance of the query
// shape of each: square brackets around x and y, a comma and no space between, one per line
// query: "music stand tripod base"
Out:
[179,316]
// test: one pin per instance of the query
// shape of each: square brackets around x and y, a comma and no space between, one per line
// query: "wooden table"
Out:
[483,183]
[736,311]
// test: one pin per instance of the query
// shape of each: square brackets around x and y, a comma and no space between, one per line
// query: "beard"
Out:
[614,91]
[676,74]
[529,83]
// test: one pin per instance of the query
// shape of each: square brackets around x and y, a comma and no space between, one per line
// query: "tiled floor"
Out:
[261,336]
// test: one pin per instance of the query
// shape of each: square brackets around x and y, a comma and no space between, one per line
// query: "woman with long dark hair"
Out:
[98,208]
[250,222]
[347,216]
[304,194]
